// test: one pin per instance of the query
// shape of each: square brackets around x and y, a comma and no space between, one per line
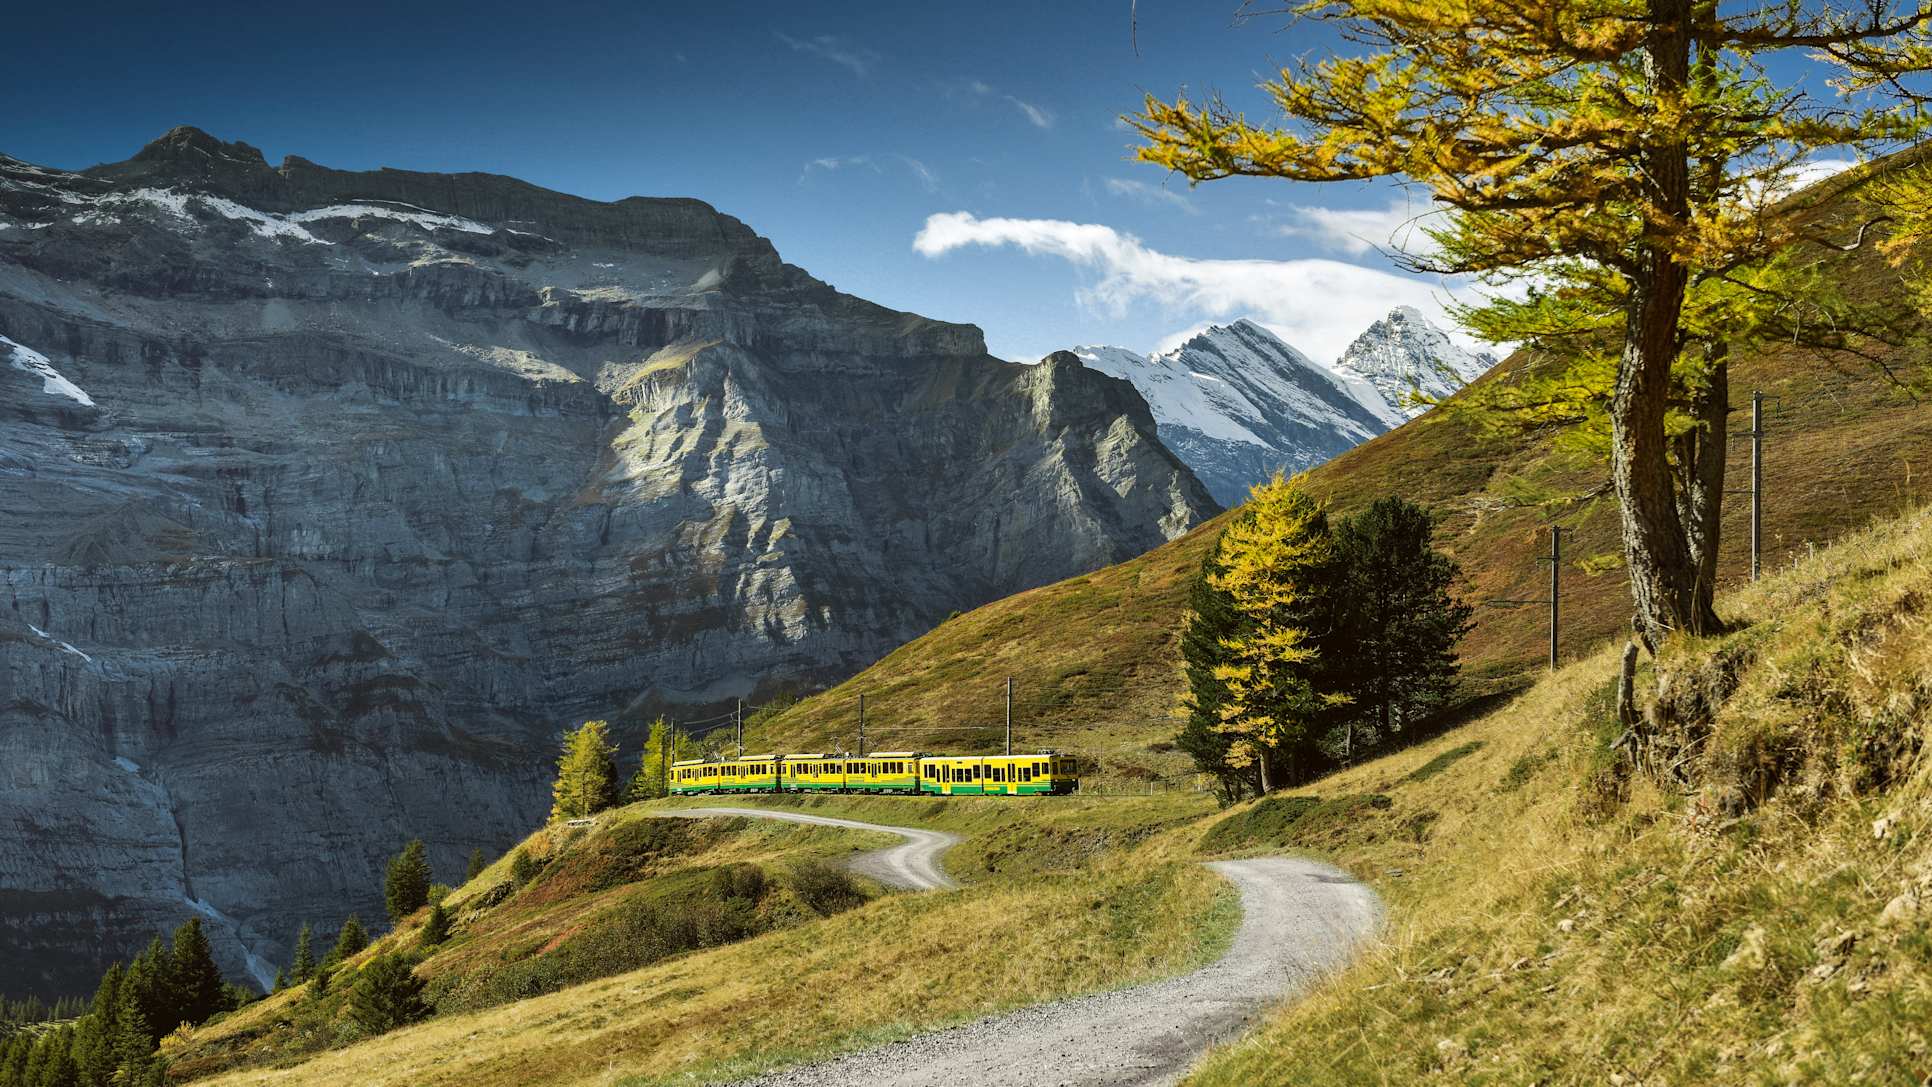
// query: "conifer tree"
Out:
[150,979]
[435,926]
[1399,619]
[476,866]
[302,966]
[1273,564]
[1624,159]
[1211,621]
[406,888]
[586,773]
[348,942]
[386,994]
[651,782]
[200,990]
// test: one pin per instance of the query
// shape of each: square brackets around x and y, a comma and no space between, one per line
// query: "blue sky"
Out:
[840,131]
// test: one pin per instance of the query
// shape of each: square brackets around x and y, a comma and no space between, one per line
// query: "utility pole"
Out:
[1555,599]
[1757,481]
[1009,715]
[1556,589]
[862,724]
[738,719]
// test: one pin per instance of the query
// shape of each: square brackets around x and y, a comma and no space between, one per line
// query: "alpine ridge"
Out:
[1238,404]
[327,497]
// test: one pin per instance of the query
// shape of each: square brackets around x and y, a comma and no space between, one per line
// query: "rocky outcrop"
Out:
[328,498]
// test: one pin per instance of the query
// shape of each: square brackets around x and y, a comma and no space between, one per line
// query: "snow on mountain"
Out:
[1236,404]
[1411,362]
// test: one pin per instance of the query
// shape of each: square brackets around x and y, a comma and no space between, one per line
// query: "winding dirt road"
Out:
[1299,920]
[913,865]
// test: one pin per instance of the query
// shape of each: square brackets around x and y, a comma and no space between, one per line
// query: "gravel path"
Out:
[913,865]
[1300,919]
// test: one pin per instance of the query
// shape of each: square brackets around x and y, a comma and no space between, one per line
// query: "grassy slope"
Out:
[1066,896]
[1094,657]
[1551,924]
[624,862]
[1551,919]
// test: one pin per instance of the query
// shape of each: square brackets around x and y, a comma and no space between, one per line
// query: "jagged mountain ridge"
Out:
[382,477]
[1237,403]
[1411,362]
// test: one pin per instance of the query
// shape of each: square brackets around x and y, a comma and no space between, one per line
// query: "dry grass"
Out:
[1551,927]
[1092,896]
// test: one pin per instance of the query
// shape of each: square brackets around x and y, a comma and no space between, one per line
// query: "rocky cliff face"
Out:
[327,498]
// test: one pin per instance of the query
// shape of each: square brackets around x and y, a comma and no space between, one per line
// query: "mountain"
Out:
[327,497]
[1411,362]
[1094,659]
[1237,404]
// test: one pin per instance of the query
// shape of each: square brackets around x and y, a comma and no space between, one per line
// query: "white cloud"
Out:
[1150,194]
[1036,115]
[1400,227]
[926,176]
[1039,116]
[1317,305]
[833,48]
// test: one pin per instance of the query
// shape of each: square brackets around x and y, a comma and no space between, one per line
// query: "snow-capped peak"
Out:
[1411,361]
[1236,404]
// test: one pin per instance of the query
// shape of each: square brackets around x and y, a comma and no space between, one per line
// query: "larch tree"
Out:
[652,779]
[1617,157]
[1272,563]
[586,773]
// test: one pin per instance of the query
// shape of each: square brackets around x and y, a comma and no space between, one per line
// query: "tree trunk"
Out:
[1663,577]
[1267,777]
[1701,454]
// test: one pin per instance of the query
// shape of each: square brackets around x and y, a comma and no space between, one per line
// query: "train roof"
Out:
[888,755]
[752,758]
[688,762]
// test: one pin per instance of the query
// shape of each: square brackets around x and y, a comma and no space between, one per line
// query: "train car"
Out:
[1043,774]
[813,773]
[883,772]
[690,777]
[952,775]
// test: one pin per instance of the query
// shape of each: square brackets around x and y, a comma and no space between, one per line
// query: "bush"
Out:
[387,994]
[523,868]
[438,892]
[674,915]
[824,888]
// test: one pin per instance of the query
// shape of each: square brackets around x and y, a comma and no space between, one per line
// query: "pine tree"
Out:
[387,994]
[477,864]
[349,942]
[406,889]
[1625,158]
[586,773]
[151,984]
[199,987]
[435,926]
[1400,621]
[302,967]
[651,782]
[1273,563]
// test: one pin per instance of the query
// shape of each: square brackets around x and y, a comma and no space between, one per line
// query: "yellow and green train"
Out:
[905,773]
